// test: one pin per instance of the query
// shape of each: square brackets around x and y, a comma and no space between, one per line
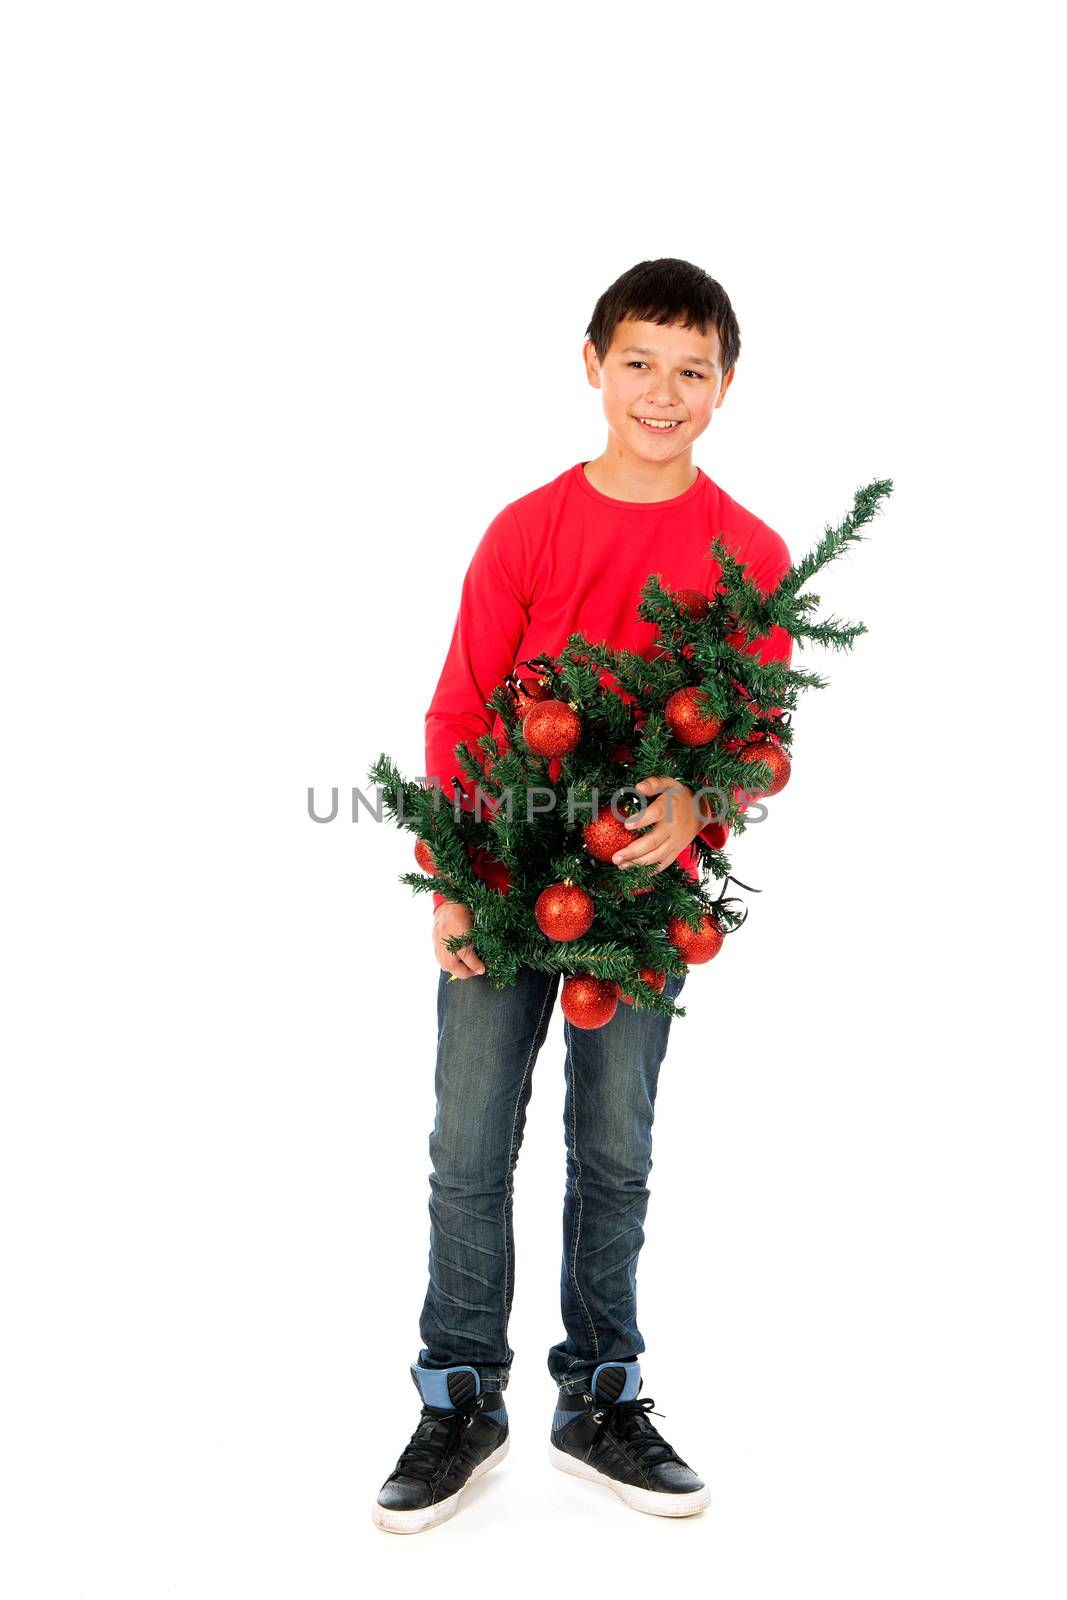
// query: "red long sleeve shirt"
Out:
[567,559]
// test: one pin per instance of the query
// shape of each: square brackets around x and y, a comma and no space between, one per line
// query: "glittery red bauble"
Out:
[716,834]
[693,603]
[552,728]
[531,692]
[424,856]
[696,944]
[689,716]
[588,1002]
[621,756]
[564,911]
[606,835]
[775,757]
[658,981]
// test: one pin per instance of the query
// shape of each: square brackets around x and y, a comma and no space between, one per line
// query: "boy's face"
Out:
[666,374]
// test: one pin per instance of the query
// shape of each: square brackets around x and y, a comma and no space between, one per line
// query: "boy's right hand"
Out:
[448,920]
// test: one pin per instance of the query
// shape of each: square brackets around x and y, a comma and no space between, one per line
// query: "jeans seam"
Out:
[511,1153]
[578,1194]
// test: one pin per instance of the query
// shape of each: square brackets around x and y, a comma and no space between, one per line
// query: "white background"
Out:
[294,305]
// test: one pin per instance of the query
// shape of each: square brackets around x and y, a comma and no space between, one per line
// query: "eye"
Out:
[689,373]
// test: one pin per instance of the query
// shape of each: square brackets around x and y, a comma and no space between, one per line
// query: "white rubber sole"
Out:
[656,1504]
[429,1516]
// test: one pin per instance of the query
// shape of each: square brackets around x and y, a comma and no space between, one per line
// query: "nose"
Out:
[662,395]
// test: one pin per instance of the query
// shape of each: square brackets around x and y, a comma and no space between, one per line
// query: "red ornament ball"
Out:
[588,1002]
[775,757]
[424,856]
[696,944]
[552,728]
[649,975]
[690,718]
[716,834]
[563,911]
[531,692]
[693,603]
[606,835]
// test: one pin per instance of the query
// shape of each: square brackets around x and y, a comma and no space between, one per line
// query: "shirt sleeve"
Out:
[494,613]
[767,566]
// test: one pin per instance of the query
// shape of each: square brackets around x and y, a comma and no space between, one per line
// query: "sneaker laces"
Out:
[436,1435]
[628,1421]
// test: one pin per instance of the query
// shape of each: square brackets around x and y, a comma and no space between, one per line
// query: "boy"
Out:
[567,557]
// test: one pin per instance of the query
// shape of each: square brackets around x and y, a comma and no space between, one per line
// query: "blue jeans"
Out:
[488,1041]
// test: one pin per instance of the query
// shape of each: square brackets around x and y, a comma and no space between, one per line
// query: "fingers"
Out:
[643,825]
[658,827]
[666,808]
[645,819]
[645,844]
[463,963]
[637,853]
[659,844]
[471,962]
[659,855]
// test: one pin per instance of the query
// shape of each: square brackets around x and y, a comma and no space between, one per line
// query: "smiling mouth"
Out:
[655,425]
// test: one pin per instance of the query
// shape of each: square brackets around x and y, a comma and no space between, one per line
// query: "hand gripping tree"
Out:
[549,797]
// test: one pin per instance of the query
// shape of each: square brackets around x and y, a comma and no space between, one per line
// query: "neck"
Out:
[624,476]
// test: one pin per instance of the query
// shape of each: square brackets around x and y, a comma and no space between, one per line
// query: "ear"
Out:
[592,365]
[729,378]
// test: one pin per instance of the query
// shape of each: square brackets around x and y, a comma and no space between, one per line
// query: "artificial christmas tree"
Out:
[550,797]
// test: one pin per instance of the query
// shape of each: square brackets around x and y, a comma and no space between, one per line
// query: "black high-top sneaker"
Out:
[607,1436]
[460,1434]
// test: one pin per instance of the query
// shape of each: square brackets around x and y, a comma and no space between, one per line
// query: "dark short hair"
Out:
[664,291]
